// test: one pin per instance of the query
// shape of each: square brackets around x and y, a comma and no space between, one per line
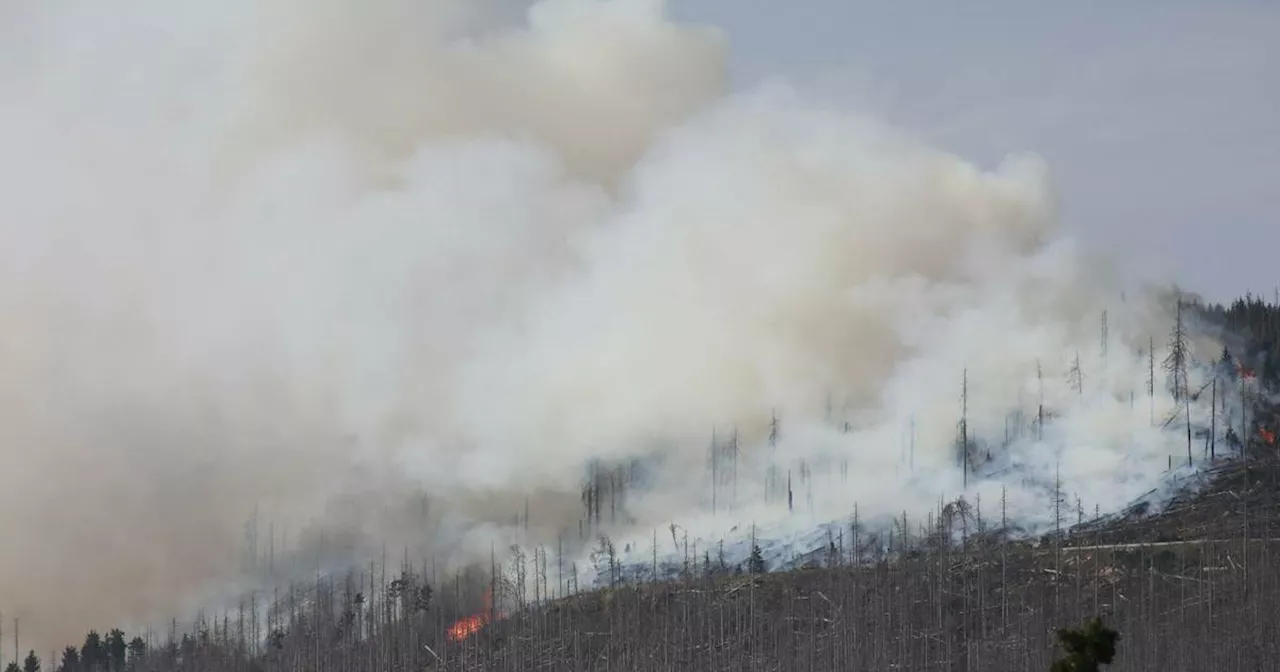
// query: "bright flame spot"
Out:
[466,626]
[469,625]
[1267,435]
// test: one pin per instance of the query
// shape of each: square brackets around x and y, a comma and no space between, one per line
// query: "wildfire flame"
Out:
[469,625]
[1245,373]
[1267,435]
[466,626]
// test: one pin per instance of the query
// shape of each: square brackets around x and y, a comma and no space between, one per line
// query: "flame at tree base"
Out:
[469,625]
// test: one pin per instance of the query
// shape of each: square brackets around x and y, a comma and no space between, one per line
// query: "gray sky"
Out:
[1160,119]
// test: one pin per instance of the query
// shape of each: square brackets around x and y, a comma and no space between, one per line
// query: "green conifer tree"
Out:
[1087,647]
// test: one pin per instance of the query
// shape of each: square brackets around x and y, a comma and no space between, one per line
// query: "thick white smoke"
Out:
[294,253]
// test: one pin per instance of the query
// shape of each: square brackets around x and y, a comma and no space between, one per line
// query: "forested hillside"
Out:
[1258,322]
[1193,588]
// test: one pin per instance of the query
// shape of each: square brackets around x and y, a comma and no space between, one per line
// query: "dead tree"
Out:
[1075,377]
[1151,378]
[1105,337]
[964,427]
[1040,404]
[1175,365]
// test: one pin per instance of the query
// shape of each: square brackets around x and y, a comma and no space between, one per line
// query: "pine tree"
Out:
[32,663]
[1086,648]
[70,659]
[93,656]
[117,650]
[137,651]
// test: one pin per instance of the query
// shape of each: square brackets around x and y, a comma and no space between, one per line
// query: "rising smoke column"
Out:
[314,256]
[246,243]
[769,258]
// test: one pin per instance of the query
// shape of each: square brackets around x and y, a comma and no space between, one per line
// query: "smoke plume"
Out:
[315,258]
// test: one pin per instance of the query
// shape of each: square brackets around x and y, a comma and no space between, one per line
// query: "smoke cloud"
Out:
[315,258]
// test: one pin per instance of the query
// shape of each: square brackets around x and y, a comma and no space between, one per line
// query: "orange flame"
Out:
[1267,435]
[469,625]
[466,626]
[1245,373]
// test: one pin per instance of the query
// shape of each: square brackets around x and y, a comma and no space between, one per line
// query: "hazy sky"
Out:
[1160,119]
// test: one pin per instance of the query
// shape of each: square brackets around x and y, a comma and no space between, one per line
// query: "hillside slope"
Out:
[1192,588]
